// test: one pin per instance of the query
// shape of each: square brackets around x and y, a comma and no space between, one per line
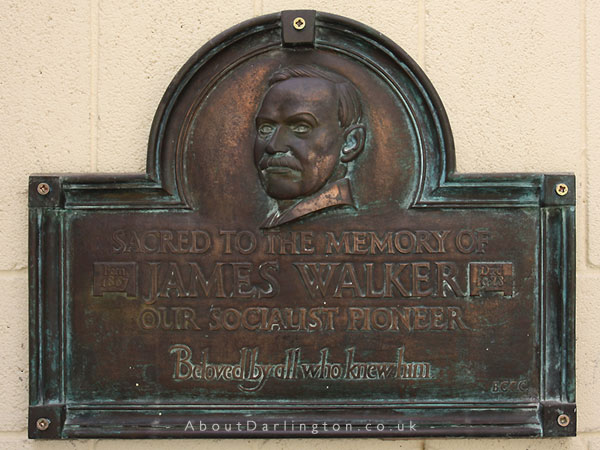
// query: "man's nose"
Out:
[277,142]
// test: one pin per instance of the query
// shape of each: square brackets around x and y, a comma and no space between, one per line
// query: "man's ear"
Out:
[354,142]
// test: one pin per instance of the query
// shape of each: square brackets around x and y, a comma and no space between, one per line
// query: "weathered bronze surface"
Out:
[301,259]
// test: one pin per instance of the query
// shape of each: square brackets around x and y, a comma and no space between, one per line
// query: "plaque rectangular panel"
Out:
[301,259]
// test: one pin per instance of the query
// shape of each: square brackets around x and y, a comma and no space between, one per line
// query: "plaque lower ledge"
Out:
[248,423]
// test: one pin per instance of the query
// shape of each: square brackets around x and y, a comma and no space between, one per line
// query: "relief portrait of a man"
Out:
[309,128]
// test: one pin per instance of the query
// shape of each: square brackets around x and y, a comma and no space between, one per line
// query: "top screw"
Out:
[299,23]
[43,188]
[561,189]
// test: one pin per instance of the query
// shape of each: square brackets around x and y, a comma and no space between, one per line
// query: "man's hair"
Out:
[349,106]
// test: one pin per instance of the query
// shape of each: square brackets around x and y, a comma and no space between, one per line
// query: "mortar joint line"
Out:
[584,125]
[94,68]
[421,33]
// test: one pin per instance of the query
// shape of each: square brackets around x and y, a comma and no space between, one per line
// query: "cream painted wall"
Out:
[80,81]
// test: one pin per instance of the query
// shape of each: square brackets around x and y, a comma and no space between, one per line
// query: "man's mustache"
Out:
[280,160]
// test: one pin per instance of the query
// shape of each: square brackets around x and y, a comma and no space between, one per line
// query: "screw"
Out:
[42,424]
[299,23]
[43,188]
[563,420]
[562,189]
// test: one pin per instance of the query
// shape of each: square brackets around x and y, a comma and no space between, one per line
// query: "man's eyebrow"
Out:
[260,119]
[307,116]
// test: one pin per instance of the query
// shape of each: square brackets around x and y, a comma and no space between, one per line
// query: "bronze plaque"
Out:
[301,259]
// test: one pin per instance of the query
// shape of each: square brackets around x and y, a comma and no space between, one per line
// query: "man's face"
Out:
[298,137]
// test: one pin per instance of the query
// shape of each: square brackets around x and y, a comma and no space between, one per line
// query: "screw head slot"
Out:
[43,188]
[42,424]
[299,23]
[561,189]
[563,420]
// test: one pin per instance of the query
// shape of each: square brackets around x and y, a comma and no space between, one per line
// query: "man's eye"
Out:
[301,128]
[266,130]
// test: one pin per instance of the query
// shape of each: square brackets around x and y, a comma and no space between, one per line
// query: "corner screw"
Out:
[563,420]
[42,424]
[299,23]
[43,188]
[561,189]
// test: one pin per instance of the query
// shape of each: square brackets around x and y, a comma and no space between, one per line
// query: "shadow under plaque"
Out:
[301,259]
